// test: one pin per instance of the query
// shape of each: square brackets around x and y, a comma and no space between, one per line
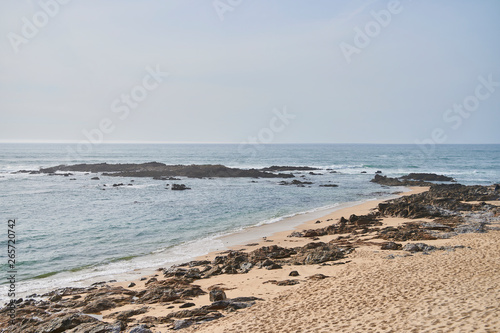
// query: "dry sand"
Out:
[444,291]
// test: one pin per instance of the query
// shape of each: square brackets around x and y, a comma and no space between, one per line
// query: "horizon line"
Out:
[72,142]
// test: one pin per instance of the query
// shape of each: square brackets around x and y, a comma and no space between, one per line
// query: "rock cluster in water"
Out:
[162,171]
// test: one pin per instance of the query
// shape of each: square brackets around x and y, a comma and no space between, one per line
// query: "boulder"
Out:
[217,295]
[391,246]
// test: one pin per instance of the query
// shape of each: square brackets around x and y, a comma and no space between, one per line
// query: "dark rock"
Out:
[180,324]
[94,178]
[140,329]
[329,185]
[179,187]
[276,168]
[132,284]
[294,182]
[125,315]
[99,305]
[316,277]
[287,283]
[293,273]
[391,246]
[427,177]
[378,172]
[187,305]
[166,178]
[64,323]
[317,253]
[418,247]
[155,169]
[217,295]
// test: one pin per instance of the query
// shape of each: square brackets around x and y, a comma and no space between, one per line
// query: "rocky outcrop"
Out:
[354,223]
[429,177]
[295,182]
[412,179]
[163,171]
[179,187]
[388,181]
[276,168]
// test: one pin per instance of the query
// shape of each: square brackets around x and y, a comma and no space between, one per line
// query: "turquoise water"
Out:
[72,228]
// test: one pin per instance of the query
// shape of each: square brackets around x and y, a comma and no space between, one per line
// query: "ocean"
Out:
[73,232]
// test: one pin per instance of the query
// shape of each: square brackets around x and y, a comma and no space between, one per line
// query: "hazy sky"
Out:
[275,71]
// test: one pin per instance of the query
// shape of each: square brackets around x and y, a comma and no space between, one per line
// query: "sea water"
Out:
[72,230]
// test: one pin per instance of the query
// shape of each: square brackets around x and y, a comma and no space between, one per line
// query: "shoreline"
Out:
[365,288]
[229,241]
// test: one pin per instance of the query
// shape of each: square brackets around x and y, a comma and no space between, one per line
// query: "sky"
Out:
[235,71]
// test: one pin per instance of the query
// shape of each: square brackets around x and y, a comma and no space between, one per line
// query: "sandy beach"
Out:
[452,288]
[452,291]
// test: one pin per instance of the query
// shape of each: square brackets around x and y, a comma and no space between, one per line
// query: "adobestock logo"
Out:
[120,106]
[460,111]
[277,124]
[223,6]
[31,28]
[363,37]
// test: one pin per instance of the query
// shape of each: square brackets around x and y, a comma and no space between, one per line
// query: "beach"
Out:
[451,286]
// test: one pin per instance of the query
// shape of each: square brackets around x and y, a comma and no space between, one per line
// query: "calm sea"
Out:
[73,230]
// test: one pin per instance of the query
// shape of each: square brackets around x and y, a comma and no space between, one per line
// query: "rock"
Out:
[180,324]
[294,182]
[287,282]
[276,168]
[317,253]
[391,246]
[140,329]
[99,327]
[296,234]
[428,177]
[316,277]
[378,172]
[329,185]
[293,273]
[217,295]
[187,305]
[179,187]
[99,305]
[166,178]
[125,315]
[418,247]
[272,252]
[245,267]
[158,170]
[132,284]
[65,323]
[94,178]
